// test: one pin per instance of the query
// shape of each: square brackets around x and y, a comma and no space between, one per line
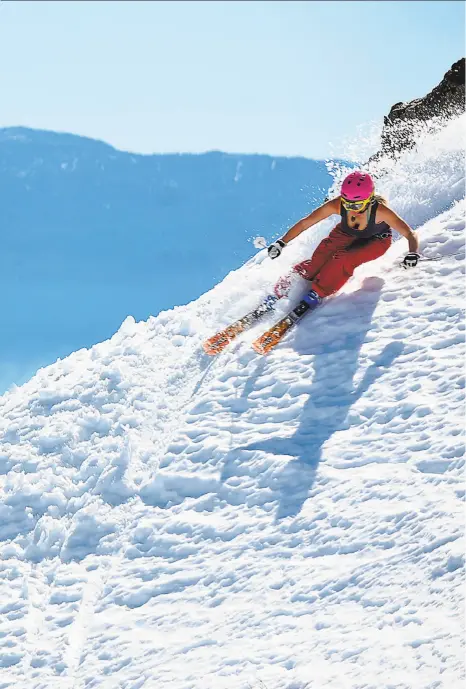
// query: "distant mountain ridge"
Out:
[66,182]
[91,234]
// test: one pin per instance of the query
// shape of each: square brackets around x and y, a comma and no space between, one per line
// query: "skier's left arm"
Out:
[391,218]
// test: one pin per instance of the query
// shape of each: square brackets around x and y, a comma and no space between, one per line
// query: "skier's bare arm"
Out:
[327,209]
[391,218]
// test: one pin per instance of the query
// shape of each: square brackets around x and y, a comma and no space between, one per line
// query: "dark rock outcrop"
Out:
[405,120]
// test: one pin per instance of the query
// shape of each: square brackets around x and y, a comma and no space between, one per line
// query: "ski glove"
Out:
[410,260]
[276,248]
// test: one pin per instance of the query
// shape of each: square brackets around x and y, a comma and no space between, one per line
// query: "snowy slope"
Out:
[290,521]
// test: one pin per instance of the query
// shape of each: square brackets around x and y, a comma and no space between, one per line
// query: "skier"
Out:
[362,235]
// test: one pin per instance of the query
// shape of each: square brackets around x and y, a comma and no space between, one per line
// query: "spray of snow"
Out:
[291,521]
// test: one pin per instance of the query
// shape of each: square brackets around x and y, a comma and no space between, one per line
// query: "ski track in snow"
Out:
[290,521]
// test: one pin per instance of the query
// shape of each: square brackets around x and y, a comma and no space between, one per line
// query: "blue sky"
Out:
[284,78]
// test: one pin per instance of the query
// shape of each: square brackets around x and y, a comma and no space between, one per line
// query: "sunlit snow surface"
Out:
[292,521]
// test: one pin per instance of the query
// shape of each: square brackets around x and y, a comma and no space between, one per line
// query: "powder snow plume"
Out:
[292,521]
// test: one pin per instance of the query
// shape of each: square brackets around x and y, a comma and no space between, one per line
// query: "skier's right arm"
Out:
[327,209]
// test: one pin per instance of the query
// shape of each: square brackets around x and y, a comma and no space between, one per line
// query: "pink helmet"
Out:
[357,186]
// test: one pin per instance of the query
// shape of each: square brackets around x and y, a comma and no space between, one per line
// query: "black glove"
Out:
[276,248]
[410,260]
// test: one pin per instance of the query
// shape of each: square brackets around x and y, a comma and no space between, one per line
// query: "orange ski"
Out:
[217,343]
[272,337]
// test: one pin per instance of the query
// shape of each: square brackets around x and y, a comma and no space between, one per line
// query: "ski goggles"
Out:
[356,205]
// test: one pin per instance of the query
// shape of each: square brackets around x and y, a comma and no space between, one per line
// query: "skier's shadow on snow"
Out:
[331,396]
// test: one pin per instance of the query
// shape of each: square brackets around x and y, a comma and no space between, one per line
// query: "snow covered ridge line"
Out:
[168,521]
